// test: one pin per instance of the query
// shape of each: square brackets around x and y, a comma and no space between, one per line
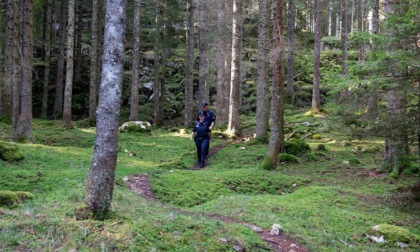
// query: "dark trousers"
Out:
[201,144]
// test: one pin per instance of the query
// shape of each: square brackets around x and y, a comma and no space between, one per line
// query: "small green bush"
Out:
[10,152]
[8,198]
[288,158]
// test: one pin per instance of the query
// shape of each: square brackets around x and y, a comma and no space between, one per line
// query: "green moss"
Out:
[10,152]
[394,234]
[132,127]
[321,147]
[296,147]
[268,164]
[354,162]
[8,198]
[288,158]
[24,196]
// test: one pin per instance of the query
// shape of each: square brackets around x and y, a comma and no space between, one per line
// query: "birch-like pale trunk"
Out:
[203,31]
[100,182]
[220,61]
[235,81]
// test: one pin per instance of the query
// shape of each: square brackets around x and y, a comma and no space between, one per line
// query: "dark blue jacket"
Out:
[201,128]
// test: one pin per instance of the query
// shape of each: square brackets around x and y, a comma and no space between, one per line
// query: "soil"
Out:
[279,243]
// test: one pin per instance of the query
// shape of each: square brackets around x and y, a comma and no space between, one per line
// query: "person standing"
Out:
[209,118]
[201,134]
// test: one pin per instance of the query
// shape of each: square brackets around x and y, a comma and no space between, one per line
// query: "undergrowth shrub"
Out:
[8,198]
[268,164]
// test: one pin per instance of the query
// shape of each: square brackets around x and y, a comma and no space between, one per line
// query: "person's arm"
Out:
[213,120]
[192,133]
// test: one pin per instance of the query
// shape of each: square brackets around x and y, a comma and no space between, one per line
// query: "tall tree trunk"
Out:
[69,70]
[159,64]
[47,45]
[344,36]
[6,109]
[373,107]
[224,118]
[316,101]
[277,92]
[338,25]
[203,22]
[23,127]
[234,126]
[396,142]
[135,78]
[94,71]
[220,61]
[189,84]
[78,59]
[330,18]
[100,182]
[290,51]
[361,44]
[262,71]
[58,102]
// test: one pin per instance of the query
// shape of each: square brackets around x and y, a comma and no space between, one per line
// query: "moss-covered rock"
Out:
[136,126]
[321,147]
[288,158]
[393,234]
[10,152]
[354,162]
[8,198]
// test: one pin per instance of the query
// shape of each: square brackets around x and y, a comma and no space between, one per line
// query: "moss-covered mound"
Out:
[393,234]
[10,152]
[190,188]
[10,198]
[288,158]
[296,147]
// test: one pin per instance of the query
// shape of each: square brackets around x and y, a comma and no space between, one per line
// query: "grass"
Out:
[326,201]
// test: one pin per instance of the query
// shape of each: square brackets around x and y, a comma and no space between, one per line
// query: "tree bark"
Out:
[47,45]
[58,102]
[78,32]
[159,65]
[23,127]
[188,107]
[360,26]
[100,182]
[6,105]
[316,101]
[396,142]
[277,92]
[134,99]
[290,51]
[330,18]
[344,36]
[220,61]
[235,82]
[224,118]
[262,72]
[94,71]
[203,23]
[69,70]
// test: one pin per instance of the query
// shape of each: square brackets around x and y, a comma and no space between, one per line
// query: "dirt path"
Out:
[280,243]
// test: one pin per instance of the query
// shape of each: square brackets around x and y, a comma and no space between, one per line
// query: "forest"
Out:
[315,146]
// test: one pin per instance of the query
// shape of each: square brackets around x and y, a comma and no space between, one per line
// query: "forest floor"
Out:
[281,242]
[326,198]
